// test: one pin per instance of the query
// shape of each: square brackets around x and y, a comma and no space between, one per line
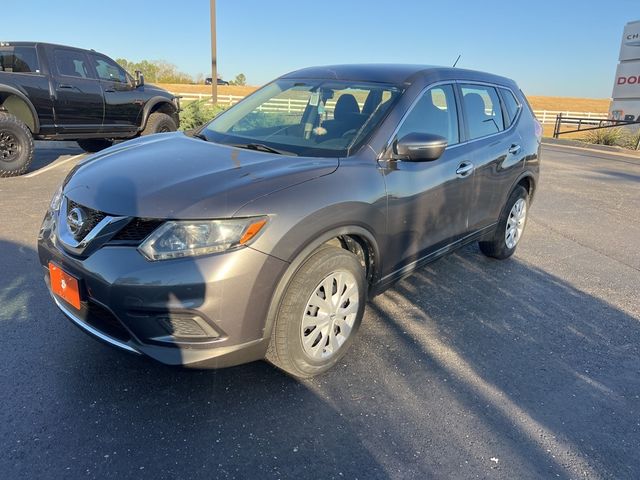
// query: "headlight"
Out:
[176,239]
[54,206]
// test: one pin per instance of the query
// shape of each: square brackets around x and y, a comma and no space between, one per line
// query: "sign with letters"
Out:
[626,86]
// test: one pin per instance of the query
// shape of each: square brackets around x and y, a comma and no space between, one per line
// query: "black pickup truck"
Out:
[53,92]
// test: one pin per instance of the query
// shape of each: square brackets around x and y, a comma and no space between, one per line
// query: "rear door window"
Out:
[511,105]
[434,113]
[72,63]
[482,110]
[19,60]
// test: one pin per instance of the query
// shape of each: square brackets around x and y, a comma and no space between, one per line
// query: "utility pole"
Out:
[214,59]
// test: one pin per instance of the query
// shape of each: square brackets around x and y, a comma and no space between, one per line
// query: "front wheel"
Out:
[159,122]
[320,313]
[510,227]
[16,146]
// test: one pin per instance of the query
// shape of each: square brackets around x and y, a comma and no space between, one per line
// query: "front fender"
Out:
[151,104]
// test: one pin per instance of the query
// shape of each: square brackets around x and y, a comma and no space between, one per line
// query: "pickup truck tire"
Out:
[159,122]
[16,146]
[319,314]
[510,228]
[92,145]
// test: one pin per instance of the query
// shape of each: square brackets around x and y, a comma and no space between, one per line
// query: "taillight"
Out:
[538,129]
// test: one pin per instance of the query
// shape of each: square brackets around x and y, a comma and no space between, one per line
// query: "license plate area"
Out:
[64,285]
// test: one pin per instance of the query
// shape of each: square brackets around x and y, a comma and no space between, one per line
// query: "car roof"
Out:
[397,74]
[33,44]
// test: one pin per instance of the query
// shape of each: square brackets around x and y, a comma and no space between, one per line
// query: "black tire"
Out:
[496,246]
[159,122]
[16,146]
[92,145]
[286,349]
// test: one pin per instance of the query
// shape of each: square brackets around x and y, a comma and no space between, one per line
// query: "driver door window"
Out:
[110,72]
[434,113]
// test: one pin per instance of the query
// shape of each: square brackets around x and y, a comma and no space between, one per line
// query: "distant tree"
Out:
[156,71]
[239,80]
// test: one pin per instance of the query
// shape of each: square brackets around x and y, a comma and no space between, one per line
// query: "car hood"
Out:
[180,177]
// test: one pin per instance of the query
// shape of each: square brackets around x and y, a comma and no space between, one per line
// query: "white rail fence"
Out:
[293,105]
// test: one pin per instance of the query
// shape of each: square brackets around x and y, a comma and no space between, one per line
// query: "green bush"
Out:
[197,113]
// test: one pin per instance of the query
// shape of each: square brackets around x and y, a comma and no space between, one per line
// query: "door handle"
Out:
[464,169]
[65,86]
[514,149]
[110,90]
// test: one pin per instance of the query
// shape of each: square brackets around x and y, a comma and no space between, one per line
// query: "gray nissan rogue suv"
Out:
[263,234]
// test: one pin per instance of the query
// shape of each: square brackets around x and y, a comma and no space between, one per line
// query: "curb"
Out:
[592,147]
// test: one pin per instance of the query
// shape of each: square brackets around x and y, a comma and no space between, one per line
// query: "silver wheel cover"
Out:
[515,223]
[330,315]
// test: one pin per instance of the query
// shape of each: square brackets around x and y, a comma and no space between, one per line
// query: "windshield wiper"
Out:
[200,136]
[262,148]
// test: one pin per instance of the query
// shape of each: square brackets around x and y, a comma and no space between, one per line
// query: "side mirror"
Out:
[139,79]
[419,147]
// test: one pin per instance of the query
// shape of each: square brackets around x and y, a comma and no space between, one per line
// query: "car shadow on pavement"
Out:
[548,375]
[48,152]
[470,367]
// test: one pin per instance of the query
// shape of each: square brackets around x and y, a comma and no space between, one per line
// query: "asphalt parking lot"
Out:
[470,368]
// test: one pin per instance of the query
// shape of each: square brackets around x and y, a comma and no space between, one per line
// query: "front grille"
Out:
[137,230]
[93,216]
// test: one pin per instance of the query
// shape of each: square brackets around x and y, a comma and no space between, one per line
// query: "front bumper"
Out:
[205,311]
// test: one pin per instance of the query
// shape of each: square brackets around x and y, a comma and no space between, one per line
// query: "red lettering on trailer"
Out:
[630,80]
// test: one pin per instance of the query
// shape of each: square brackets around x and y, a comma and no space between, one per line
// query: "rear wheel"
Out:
[16,146]
[510,227]
[159,122]
[320,313]
[92,145]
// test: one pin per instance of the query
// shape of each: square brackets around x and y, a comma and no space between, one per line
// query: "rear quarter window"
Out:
[511,105]
[19,60]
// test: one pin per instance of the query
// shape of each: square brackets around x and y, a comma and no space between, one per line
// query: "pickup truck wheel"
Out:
[159,122]
[320,313]
[16,146]
[510,227]
[92,145]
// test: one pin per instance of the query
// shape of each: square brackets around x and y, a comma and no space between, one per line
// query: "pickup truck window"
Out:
[108,70]
[71,63]
[19,60]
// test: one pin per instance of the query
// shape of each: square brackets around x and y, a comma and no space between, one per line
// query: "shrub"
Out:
[605,136]
[631,139]
[197,113]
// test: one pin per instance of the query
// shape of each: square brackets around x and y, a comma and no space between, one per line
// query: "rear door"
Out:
[428,202]
[497,153]
[78,102]
[23,62]
[123,103]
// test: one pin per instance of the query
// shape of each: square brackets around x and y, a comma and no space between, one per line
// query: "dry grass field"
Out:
[206,89]
[572,104]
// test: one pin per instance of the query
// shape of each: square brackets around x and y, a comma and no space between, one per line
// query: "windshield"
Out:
[304,117]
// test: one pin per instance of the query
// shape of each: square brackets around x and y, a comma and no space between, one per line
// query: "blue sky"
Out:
[560,47]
